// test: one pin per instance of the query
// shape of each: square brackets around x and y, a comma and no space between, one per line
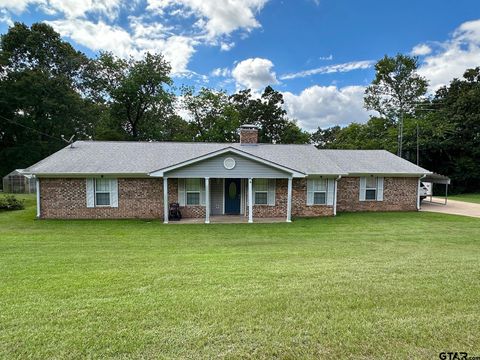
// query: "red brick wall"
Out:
[66,199]
[191,211]
[248,136]
[299,205]
[399,194]
[137,198]
[299,202]
[143,198]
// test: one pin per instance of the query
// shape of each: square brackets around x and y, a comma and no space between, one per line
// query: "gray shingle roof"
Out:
[372,162]
[140,158]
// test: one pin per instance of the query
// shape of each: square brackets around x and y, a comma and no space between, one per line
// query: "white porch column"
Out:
[37,185]
[207,200]
[250,200]
[289,200]
[335,196]
[165,200]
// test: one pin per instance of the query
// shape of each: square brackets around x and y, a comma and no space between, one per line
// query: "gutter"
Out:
[335,196]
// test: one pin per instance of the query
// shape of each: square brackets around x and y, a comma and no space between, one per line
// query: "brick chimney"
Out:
[248,134]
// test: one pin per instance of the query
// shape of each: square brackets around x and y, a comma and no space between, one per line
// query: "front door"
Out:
[232,196]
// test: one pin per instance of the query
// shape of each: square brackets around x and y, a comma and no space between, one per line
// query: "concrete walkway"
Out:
[453,207]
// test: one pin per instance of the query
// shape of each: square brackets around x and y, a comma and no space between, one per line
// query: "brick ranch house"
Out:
[97,179]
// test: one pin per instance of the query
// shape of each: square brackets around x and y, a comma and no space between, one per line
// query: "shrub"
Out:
[10,202]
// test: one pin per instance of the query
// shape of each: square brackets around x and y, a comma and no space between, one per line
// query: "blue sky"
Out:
[318,53]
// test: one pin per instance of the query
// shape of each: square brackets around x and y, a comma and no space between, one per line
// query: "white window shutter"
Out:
[309,192]
[380,189]
[363,188]
[330,190]
[202,192]
[181,192]
[114,193]
[90,193]
[271,192]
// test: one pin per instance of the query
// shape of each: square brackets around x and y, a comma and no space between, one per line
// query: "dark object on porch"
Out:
[174,212]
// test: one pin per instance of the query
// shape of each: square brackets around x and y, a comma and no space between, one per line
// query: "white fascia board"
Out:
[89,175]
[385,174]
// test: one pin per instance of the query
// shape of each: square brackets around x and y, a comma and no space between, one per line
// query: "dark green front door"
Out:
[232,196]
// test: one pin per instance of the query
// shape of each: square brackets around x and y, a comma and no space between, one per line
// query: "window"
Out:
[260,191]
[103,190]
[319,190]
[371,188]
[192,189]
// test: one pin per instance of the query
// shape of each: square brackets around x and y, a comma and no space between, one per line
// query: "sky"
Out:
[319,53]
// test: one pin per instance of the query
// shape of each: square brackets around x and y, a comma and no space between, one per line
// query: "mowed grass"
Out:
[473,198]
[358,286]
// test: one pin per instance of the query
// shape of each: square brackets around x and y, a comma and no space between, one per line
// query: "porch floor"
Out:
[229,219]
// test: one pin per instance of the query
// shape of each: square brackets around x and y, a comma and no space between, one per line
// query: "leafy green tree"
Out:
[41,85]
[213,117]
[396,90]
[135,93]
[450,133]
[268,113]
[325,138]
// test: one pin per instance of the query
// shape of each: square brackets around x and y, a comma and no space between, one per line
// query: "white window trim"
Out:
[95,192]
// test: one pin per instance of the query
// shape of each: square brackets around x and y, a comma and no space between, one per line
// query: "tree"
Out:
[41,84]
[213,117]
[396,89]
[325,138]
[135,93]
[450,139]
[268,113]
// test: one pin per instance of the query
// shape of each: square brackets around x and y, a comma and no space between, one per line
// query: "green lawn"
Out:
[359,286]
[473,198]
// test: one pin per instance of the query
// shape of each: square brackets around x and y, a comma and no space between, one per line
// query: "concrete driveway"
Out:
[453,207]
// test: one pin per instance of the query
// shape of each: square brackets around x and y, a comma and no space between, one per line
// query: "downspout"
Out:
[335,196]
[37,183]
[418,190]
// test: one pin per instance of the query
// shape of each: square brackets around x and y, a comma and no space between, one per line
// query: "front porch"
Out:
[228,200]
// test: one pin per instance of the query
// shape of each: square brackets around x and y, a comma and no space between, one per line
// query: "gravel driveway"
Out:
[452,207]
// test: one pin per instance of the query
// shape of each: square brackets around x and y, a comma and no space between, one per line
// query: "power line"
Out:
[33,129]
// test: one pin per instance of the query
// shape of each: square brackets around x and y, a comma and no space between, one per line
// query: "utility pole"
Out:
[418,148]
[400,134]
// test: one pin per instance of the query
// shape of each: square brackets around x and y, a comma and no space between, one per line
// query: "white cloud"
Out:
[326,106]
[70,8]
[173,27]
[224,46]
[214,18]
[176,49]
[17,6]
[421,50]
[86,33]
[451,58]
[5,18]
[254,73]
[329,57]
[220,72]
[345,67]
